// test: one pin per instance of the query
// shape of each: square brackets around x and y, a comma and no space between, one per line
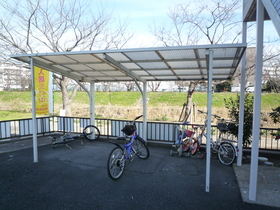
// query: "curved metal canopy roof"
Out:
[142,64]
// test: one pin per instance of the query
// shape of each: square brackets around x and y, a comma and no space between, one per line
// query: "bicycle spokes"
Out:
[116,163]
[226,153]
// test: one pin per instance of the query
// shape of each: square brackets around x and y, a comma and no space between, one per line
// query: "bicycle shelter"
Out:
[200,62]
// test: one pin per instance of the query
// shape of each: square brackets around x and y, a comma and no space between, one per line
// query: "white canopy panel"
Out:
[142,64]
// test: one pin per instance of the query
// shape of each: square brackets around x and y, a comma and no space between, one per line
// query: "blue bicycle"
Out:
[121,156]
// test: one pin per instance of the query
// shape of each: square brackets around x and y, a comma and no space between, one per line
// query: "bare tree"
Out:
[29,26]
[250,67]
[154,86]
[15,77]
[271,75]
[25,82]
[270,58]
[10,78]
[106,86]
[181,84]
[200,22]
[129,85]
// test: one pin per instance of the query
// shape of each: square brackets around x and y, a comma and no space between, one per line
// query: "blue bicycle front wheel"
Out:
[141,148]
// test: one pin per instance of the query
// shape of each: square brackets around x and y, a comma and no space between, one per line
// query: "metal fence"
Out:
[20,128]
[161,132]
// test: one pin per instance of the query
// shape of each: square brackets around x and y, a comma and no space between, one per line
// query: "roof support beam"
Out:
[121,67]
[144,99]
[84,88]
[257,104]
[209,56]
[180,59]
[198,63]
[139,87]
[242,99]
[92,103]
[34,120]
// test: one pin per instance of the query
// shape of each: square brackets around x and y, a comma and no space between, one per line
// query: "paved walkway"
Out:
[77,179]
[268,186]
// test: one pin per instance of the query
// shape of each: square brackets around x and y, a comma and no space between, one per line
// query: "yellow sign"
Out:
[41,79]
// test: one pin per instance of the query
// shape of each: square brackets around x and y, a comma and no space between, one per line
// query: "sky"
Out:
[143,13]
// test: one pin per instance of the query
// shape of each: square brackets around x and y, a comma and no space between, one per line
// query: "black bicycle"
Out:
[90,132]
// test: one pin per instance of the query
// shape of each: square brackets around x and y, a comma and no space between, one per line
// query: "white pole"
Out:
[209,112]
[144,99]
[92,103]
[257,103]
[35,144]
[241,103]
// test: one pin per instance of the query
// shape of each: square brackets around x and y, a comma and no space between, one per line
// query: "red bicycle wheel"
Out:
[195,148]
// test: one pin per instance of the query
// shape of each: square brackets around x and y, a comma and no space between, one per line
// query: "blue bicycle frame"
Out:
[127,147]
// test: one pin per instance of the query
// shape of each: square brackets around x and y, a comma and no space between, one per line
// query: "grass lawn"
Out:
[13,115]
[17,105]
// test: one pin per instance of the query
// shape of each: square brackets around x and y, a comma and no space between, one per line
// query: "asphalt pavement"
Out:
[77,178]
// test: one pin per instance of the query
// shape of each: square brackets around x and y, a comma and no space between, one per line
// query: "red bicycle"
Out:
[186,144]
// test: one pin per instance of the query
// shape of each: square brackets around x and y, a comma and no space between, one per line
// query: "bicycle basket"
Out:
[188,133]
[222,127]
[233,128]
[128,130]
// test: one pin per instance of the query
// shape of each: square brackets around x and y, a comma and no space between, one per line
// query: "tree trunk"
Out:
[187,107]
[66,105]
[66,98]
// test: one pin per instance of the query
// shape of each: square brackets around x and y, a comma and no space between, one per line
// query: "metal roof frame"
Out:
[141,64]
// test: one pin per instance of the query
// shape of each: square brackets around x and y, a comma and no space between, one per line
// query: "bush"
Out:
[273,85]
[275,116]
[233,107]
[224,86]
